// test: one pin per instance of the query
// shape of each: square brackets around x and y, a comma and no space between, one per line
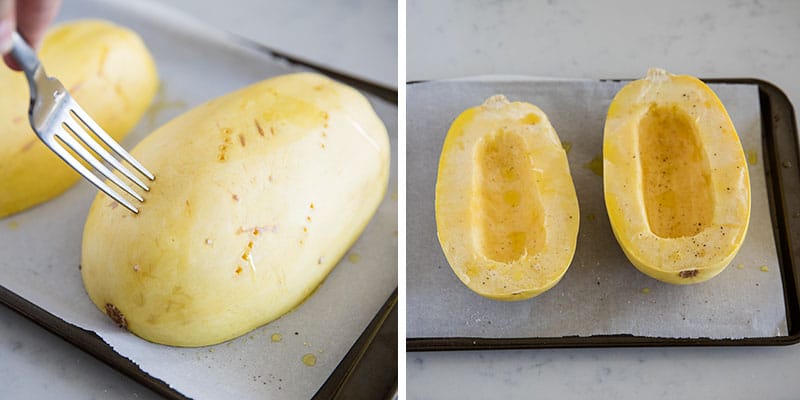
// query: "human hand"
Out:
[29,17]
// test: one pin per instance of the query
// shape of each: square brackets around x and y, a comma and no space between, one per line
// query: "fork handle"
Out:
[24,55]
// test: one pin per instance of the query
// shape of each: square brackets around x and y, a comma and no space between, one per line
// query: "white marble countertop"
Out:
[35,364]
[606,39]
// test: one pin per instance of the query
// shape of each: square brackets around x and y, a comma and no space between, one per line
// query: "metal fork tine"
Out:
[105,155]
[97,165]
[55,117]
[75,164]
[108,140]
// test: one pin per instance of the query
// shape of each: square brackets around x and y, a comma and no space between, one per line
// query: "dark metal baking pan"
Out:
[781,162]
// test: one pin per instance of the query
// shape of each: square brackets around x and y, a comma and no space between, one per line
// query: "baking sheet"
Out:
[601,293]
[41,247]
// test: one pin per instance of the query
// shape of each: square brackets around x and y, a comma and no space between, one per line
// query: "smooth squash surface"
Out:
[506,208]
[257,196]
[676,183]
[109,72]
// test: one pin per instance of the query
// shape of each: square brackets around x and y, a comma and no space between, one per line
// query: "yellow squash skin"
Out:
[676,184]
[110,73]
[257,195]
[506,208]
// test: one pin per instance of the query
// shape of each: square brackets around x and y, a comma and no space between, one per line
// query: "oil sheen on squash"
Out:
[675,178]
[506,209]
[258,194]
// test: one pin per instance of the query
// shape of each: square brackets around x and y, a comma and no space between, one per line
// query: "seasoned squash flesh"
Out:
[676,183]
[676,178]
[508,212]
[506,209]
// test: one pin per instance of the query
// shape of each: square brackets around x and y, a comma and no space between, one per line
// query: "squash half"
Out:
[506,208]
[258,194]
[676,183]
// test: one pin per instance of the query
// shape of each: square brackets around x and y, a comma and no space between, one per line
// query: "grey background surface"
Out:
[606,39]
[358,37]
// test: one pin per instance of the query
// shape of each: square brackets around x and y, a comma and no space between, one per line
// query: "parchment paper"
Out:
[41,247]
[601,293]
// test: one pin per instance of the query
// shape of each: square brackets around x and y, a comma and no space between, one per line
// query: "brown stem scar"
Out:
[689,273]
[116,315]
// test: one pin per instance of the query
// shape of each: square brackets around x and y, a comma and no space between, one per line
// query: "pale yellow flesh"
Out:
[676,184]
[109,72]
[257,195]
[675,174]
[506,208]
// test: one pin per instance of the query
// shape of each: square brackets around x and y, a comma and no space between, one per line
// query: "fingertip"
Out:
[11,63]
[33,18]
[6,27]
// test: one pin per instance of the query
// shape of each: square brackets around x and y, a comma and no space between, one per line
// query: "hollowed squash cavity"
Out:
[506,209]
[675,178]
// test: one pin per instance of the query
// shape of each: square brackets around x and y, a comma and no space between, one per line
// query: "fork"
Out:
[55,117]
